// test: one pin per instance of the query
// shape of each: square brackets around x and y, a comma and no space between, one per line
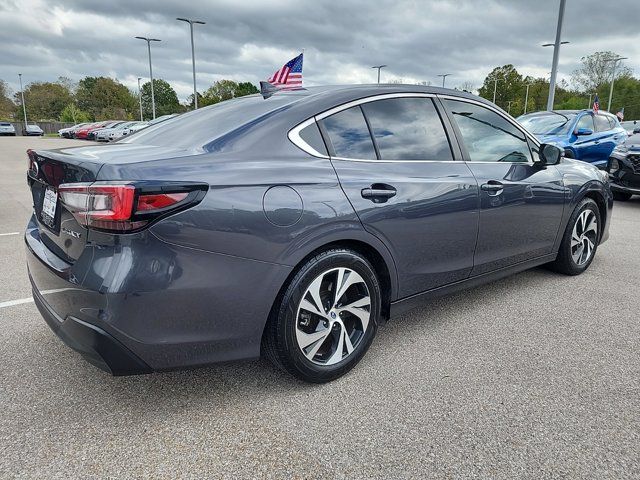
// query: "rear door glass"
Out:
[602,124]
[407,129]
[349,134]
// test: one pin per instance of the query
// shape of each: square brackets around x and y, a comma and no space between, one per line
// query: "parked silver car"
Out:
[7,128]
[32,130]
[124,130]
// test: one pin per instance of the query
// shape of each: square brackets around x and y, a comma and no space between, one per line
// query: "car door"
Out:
[397,167]
[585,146]
[521,204]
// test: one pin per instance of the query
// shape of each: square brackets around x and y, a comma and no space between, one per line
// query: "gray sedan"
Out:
[293,225]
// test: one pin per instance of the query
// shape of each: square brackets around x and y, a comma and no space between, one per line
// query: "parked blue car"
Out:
[584,135]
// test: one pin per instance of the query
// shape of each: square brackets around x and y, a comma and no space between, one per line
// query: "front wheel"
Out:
[580,240]
[327,317]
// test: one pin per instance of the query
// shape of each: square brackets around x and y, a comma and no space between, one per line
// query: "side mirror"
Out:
[549,154]
[583,131]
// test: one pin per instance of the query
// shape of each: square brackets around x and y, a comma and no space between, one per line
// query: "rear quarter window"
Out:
[312,137]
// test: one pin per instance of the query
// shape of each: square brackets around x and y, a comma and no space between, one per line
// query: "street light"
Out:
[444,76]
[613,77]
[140,98]
[24,108]
[590,95]
[509,106]
[495,88]
[556,54]
[379,67]
[193,57]
[526,98]
[153,98]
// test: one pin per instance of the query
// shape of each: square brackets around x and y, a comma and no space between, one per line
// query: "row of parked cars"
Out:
[107,131]
[7,128]
[595,137]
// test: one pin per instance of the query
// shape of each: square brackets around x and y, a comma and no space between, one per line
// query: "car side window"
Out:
[487,136]
[349,134]
[311,135]
[602,123]
[612,122]
[586,121]
[407,129]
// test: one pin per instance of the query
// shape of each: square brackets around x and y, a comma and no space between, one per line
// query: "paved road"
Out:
[535,376]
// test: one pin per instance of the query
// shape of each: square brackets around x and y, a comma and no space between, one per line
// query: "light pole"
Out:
[140,98]
[495,88]
[590,100]
[613,77]
[193,57]
[379,67]
[526,98]
[444,76]
[509,106]
[556,54]
[24,107]
[153,98]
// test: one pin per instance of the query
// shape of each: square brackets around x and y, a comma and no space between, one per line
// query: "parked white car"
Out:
[7,128]
[69,131]
[102,135]
[119,133]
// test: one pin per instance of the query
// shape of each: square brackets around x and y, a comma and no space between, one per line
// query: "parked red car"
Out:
[84,131]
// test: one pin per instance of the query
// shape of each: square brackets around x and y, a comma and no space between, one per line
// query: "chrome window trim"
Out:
[294,133]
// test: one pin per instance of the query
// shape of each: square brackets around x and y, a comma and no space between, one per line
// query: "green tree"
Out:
[7,107]
[227,89]
[510,87]
[104,98]
[165,97]
[45,100]
[72,113]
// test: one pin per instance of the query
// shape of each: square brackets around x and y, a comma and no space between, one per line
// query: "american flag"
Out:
[289,76]
[596,104]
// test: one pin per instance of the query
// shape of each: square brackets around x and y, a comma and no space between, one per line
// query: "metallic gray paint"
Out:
[175,294]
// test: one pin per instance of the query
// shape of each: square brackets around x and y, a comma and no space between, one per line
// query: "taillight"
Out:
[123,207]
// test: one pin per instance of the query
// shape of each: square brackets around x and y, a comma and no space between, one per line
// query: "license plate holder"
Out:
[49,205]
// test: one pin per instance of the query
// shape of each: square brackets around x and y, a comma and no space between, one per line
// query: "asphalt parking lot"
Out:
[533,376]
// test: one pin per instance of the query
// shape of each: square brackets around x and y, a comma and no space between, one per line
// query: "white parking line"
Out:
[10,233]
[11,303]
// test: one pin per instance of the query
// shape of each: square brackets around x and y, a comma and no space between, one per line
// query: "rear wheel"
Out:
[621,196]
[327,317]
[580,240]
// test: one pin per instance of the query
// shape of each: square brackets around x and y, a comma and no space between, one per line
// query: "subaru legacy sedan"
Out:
[584,135]
[293,226]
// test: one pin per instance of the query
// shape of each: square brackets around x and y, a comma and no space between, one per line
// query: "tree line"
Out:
[593,76]
[104,98]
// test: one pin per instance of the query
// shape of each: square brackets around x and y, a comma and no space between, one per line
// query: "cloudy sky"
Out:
[246,40]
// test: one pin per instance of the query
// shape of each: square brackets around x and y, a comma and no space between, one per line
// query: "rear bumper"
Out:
[94,344]
[143,305]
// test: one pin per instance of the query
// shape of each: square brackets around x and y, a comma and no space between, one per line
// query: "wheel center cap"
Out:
[333,315]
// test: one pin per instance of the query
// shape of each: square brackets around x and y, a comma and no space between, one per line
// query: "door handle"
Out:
[378,192]
[492,186]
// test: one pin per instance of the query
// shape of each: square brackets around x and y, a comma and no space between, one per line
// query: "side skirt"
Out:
[409,303]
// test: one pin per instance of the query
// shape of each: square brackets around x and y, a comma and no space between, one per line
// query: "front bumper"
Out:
[627,178]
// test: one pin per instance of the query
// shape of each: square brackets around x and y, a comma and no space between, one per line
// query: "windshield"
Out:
[547,123]
[197,128]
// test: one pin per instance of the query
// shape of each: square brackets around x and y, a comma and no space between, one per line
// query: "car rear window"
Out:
[195,129]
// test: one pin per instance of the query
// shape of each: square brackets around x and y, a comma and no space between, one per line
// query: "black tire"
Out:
[621,196]
[565,263]
[569,154]
[279,340]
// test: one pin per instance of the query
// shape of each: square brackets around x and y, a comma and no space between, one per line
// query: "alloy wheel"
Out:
[584,237]
[333,316]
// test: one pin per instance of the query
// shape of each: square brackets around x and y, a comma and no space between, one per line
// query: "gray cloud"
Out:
[43,39]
